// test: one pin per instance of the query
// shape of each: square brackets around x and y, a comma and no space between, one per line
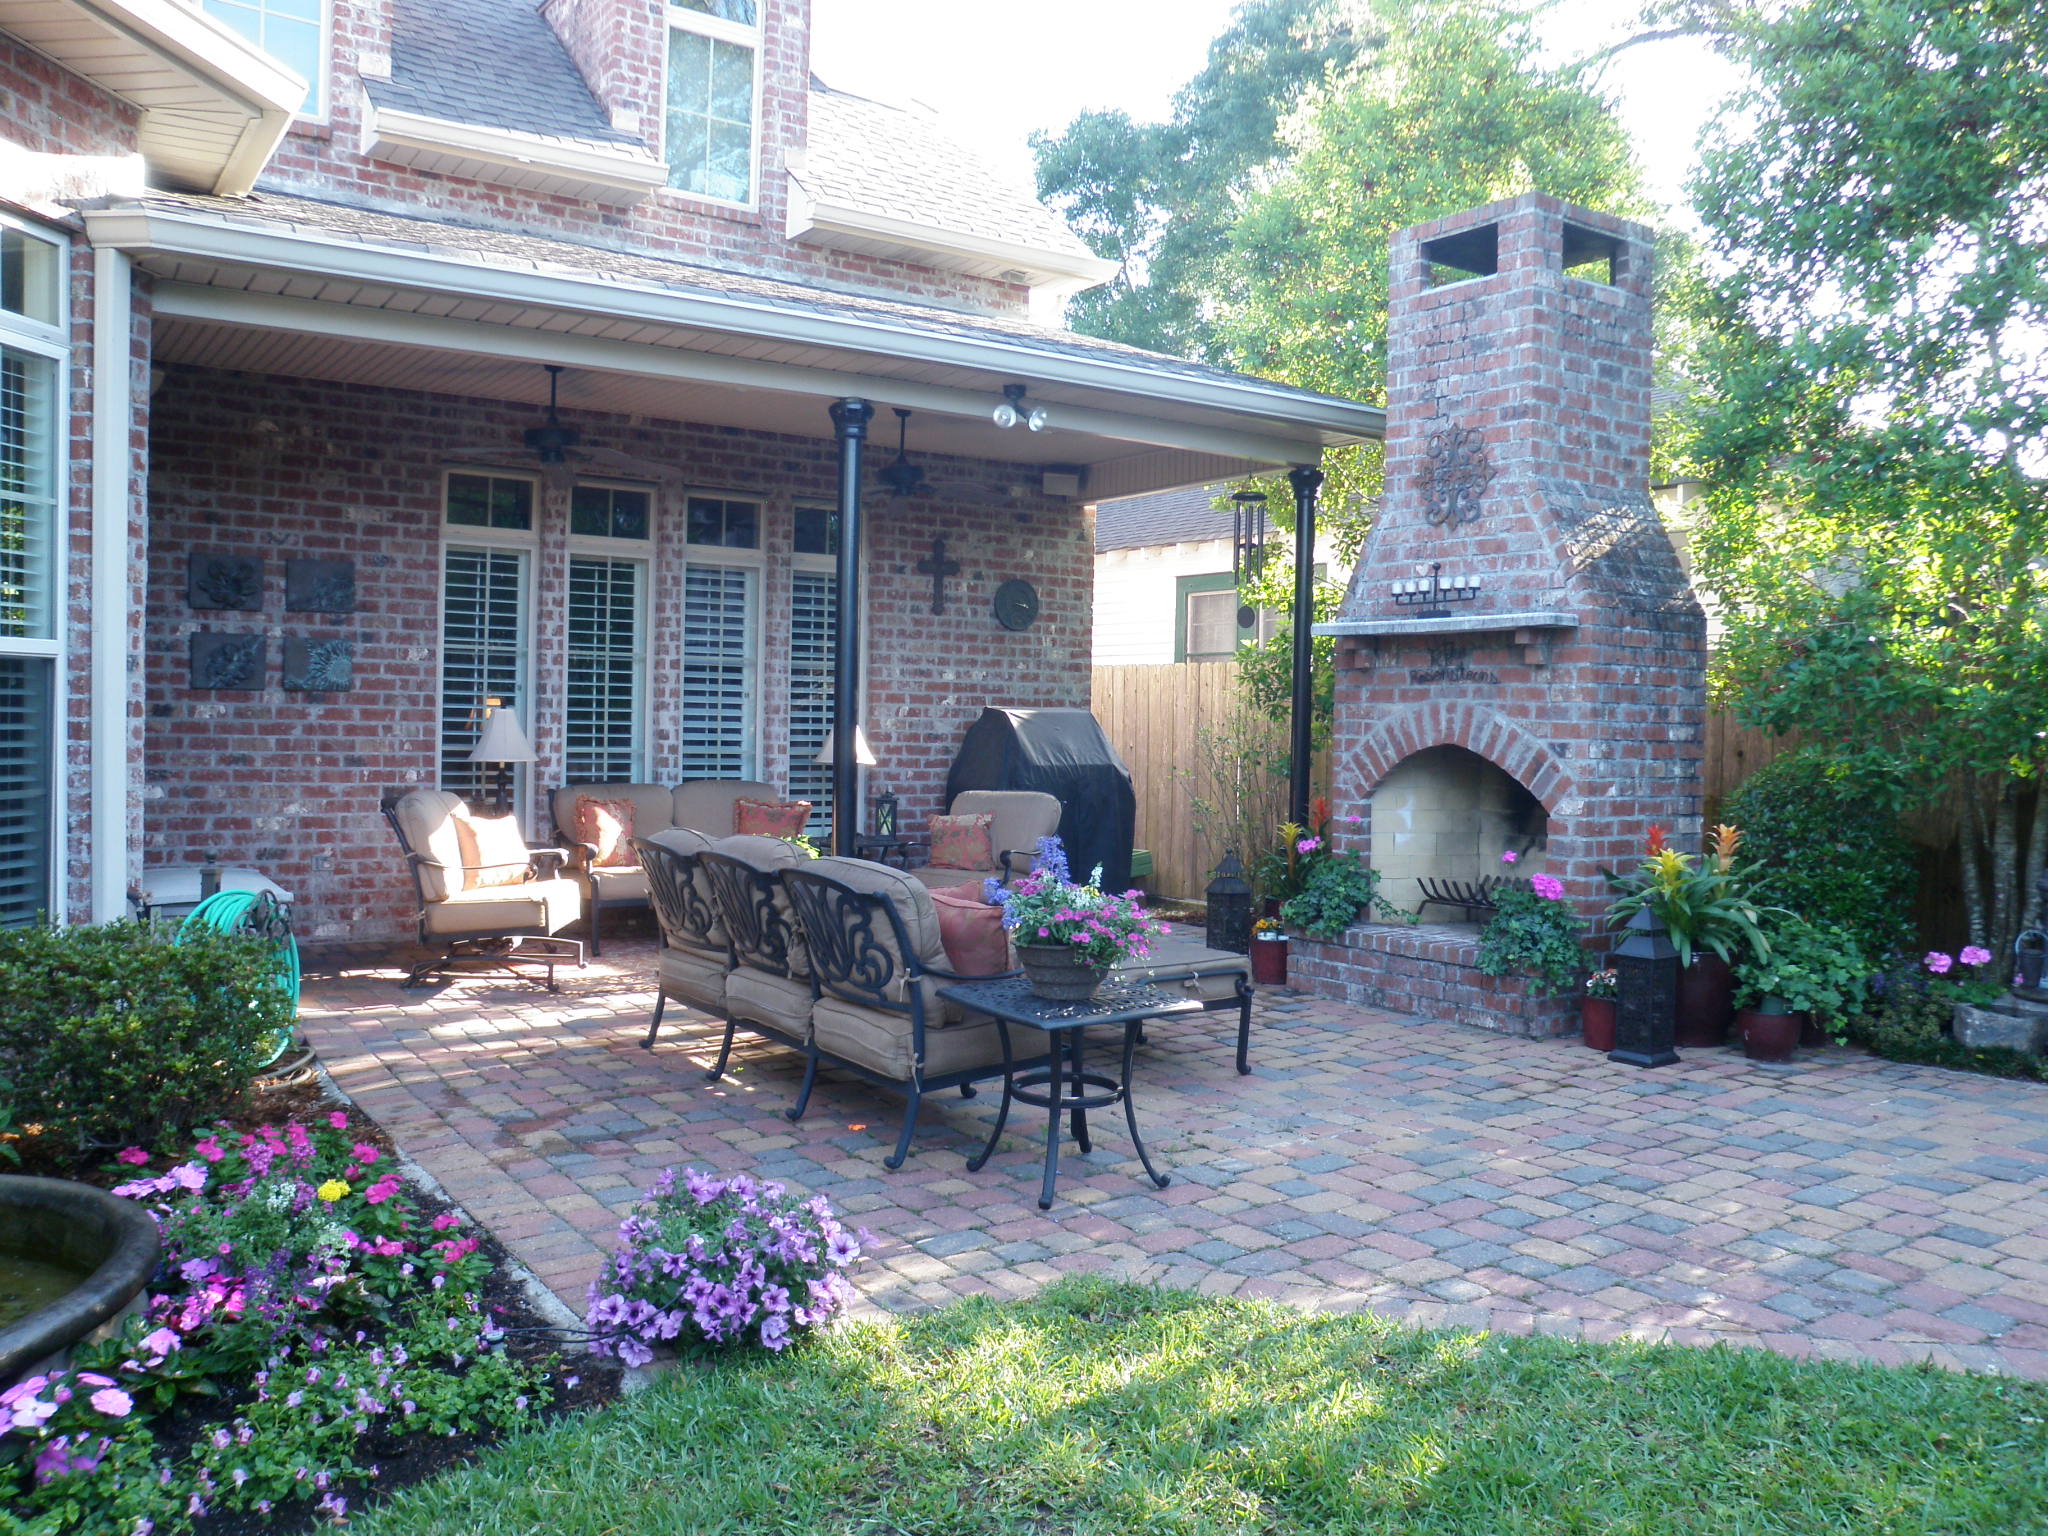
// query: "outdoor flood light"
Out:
[1015,409]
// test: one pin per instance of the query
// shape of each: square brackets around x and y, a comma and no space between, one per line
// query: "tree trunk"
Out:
[1972,840]
[2037,858]
[2007,904]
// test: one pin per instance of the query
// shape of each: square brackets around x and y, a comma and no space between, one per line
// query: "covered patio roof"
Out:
[317,290]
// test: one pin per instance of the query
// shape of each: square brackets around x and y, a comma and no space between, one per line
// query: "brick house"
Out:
[285,287]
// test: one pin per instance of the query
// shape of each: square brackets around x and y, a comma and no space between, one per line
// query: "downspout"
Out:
[113,473]
[1307,481]
[850,420]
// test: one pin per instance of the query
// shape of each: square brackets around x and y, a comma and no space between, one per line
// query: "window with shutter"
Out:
[607,693]
[25,787]
[483,654]
[720,656]
[28,499]
[812,601]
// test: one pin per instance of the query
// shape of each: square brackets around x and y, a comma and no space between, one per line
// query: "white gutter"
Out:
[298,251]
[405,328]
[113,456]
[619,168]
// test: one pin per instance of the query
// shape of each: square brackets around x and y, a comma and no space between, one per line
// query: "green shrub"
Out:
[1536,934]
[125,1036]
[1339,888]
[1821,838]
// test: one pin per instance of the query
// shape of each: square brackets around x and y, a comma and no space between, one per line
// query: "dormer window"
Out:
[293,32]
[714,59]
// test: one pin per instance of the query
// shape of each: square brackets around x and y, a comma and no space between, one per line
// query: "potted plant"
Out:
[1283,873]
[1536,932]
[1711,923]
[1069,935]
[1811,978]
[1339,887]
[1269,953]
[1596,1009]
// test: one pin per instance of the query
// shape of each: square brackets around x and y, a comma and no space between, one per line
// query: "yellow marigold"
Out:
[331,1191]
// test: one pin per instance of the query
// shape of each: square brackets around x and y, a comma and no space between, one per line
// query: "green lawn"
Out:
[1115,1409]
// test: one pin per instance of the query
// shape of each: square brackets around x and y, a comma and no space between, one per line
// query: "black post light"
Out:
[1247,547]
[1646,988]
[1230,905]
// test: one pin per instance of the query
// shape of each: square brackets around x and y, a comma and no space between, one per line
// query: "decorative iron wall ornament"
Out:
[320,586]
[228,661]
[319,666]
[215,579]
[1457,476]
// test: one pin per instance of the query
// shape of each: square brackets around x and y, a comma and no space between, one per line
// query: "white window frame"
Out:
[640,552]
[51,340]
[465,536]
[755,559]
[754,39]
[323,87]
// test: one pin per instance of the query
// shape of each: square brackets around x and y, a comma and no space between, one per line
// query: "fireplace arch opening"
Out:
[1447,814]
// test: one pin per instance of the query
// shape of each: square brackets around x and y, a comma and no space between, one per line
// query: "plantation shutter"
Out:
[718,671]
[607,668]
[26,729]
[28,498]
[483,654]
[813,601]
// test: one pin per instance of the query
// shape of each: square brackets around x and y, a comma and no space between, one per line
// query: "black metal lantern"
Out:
[1230,906]
[1646,994]
[1247,546]
[884,822]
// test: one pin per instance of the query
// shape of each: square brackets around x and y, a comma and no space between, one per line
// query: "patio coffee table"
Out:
[1011,1001]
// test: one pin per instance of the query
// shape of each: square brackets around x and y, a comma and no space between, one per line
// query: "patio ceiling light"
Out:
[1015,409]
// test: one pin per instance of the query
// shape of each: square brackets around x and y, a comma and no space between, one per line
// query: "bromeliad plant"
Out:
[1046,906]
[1701,902]
[1534,931]
[721,1262]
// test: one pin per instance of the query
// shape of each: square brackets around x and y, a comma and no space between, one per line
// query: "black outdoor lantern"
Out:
[1230,906]
[884,817]
[1646,994]
[1247,546]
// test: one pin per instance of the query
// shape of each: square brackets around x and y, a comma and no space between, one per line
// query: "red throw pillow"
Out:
[963,842]
[972,931]
[770,818]
[607,825]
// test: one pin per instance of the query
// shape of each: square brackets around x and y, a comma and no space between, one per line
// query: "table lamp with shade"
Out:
[864,755]
[504,743]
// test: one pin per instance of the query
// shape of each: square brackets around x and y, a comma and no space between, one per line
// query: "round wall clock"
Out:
[1016,604]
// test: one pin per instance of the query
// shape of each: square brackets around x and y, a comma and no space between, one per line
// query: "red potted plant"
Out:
[1269,953]
[1596,1009]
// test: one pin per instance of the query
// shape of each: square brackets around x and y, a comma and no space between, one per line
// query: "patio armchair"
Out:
[695,955]
[704,805]
[482,916]
[876,966]
[768,988]
[1022,817]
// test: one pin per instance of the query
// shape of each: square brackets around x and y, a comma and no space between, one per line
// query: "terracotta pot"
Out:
[1706,1001]
[1596,1021]
[1269,962]
[1769,1036]
[1055,973]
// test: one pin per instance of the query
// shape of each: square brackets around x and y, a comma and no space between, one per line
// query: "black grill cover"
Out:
[1062,752]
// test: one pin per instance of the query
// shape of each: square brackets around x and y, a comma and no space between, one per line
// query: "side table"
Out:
[882,849]
[1070,1088]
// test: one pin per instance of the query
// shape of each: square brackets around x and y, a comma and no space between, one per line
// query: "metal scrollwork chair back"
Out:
[682,905]
[857,942]
[757,928]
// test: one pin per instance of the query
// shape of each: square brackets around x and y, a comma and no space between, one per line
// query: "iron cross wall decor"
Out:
[938,567]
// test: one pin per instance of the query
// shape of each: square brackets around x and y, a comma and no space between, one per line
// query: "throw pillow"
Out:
[493,851]
[607,826]
[769,818]
[972,931]
[963,842]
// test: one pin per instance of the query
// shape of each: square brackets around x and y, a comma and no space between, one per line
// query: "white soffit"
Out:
[537,163]
[214,107]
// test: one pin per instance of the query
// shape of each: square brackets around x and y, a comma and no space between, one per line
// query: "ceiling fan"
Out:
[902,477]
[560,447]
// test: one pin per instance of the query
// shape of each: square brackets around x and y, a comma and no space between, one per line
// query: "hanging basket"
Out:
[1055,973]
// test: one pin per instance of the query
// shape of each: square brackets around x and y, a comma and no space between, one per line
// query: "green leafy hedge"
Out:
[126,1036]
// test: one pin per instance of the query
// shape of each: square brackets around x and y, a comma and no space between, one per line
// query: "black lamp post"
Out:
[1230,906]
[1646,994]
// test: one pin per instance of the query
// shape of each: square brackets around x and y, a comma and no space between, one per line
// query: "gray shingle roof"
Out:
[491,63]
[886,160]
[1171,517]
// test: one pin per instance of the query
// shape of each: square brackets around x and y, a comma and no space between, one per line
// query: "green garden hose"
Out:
[235,912]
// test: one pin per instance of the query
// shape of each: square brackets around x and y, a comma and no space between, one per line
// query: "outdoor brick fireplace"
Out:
[1520,662]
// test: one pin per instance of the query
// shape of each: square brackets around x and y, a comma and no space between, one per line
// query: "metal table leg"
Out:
[1159,1179]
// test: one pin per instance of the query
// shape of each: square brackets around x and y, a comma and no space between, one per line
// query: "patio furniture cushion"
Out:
[544,906]
[706,805]
[608,826]
[881,1041]
[769,818]
[972,931]
[697,979]
[932,878]
[427,817]
[963,842]
[711,940]
[653,807]
[782,1002]
[1022,817]
[494,851]
[1216,970]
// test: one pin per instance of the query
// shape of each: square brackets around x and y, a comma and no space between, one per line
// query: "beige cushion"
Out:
[694,979]
[493,851]
[1216,969]
[686,841]
[653,808]
[937,879]
[538,906]
[780,1001]
[772,854]
[707,804]
[619,882]
[1022,817]
[427,817]
[880,1040]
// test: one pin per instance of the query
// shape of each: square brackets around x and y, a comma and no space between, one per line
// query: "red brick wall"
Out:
[620,46]
[288,467]
[46,108]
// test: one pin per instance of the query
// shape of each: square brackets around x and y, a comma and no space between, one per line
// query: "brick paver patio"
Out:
[1839,1206]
